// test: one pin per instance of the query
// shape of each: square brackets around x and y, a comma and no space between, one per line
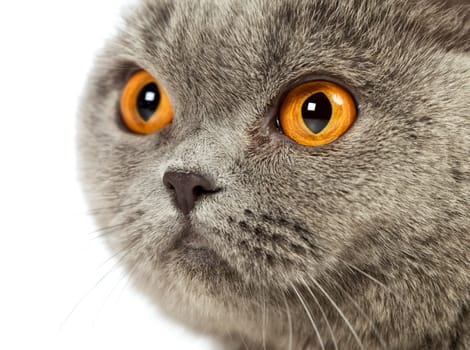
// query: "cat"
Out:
[241,228]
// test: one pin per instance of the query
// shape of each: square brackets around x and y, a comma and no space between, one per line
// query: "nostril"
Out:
[198,191]
[167,181]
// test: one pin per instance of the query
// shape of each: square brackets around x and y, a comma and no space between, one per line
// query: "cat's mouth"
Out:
[196,248]
[193,240]
[196,259]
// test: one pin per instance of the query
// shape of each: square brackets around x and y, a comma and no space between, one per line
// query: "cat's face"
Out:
[386,198]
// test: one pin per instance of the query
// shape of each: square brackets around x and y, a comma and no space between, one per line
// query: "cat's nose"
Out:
[188,188]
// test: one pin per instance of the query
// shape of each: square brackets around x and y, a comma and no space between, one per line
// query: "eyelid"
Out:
[346,83]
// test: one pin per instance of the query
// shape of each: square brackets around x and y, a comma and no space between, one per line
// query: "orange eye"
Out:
[145,107]
[317,113]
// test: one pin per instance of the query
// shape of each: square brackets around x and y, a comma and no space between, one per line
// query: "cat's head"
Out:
[223,206]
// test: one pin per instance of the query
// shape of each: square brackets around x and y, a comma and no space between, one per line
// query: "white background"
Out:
[50,262]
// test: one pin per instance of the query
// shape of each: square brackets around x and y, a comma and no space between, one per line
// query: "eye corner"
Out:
[278,124]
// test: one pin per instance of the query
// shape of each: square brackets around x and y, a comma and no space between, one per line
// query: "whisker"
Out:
[112,257]
[116,209]
[100,309]
[351,328]
[263,311]
[101,232]
[333,338]
[128,281]
[128,276]
[309,316]
[289,320]
[110,210]
[263,326]
[351,299]
[245,345]
[93,288]
[374,280]
[365,274]
[231,337]
[80,301]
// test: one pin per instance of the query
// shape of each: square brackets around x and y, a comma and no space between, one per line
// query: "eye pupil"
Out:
[148,101]
[317,112]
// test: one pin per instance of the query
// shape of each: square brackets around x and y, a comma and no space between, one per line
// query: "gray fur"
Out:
[378,220]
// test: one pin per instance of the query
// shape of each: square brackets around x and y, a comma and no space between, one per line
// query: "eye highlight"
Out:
[317,113]
[145,107]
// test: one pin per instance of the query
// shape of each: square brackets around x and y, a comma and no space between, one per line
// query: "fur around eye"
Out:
[145,107]
[317,113]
